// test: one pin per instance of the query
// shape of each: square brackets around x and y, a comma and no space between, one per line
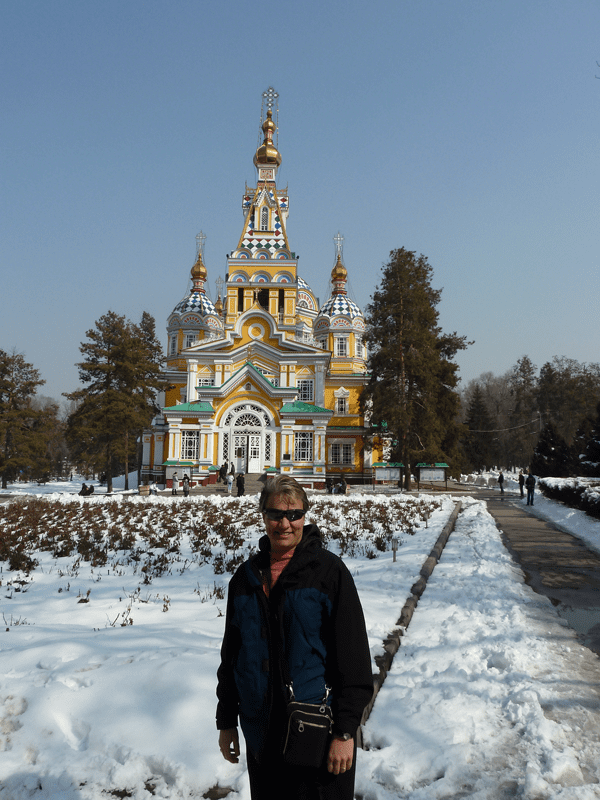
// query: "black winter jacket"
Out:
[313,621]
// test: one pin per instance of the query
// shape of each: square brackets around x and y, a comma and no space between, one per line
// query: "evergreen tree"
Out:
[411,390]
[479,441]
[523,420]
[20,442]
[51,448]
[121,371]
[589,457]
[552,457]
[566,392]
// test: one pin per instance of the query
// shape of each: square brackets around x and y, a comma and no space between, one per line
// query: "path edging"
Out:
[391,644]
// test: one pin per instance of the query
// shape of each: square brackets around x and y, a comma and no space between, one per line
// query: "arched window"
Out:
[264,219]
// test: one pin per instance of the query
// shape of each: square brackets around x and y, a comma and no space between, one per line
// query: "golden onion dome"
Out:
[198,271]
[219,305]
[339,272]
[267,153]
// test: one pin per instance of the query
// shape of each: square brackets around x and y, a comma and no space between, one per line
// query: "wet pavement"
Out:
[554,563]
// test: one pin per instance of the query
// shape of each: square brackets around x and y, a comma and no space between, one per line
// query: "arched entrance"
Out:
[247,438]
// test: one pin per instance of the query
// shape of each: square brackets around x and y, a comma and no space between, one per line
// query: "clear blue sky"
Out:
[466,130]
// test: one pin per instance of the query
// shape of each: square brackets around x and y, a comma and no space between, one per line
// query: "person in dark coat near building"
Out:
[521,482]
[239,482]
[292,608]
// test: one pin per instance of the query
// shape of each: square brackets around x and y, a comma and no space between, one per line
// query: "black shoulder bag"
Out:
[308,731]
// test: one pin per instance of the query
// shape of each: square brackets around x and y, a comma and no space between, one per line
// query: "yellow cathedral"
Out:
[264,378]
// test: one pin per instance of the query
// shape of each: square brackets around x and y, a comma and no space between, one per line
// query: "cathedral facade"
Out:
[264,378]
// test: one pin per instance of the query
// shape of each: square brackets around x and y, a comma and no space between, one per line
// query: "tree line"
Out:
[120,375]
[547,420]
[414,411]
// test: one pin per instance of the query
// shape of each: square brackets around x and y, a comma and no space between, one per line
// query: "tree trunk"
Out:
[109,486]
[126,460]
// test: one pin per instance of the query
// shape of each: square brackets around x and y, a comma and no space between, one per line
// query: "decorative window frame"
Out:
[342,405]
[190,444]
[341,454]
[341,347]
[306,390]
[303,446]
[264,219]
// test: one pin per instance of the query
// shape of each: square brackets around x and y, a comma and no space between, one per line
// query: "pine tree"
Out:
[552,457]
[479,441]
[121,371]
[590,455]
[523,419]
[567,391]
[20,443]
[411,390]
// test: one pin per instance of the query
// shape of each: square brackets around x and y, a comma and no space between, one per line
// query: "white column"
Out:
[192,378]
[320,385]
[159,443]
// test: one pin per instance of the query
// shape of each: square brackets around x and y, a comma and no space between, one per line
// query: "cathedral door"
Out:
[240,450]
[254,464]
[247,452]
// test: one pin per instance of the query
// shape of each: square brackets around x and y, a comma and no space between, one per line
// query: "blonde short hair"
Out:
[285,486]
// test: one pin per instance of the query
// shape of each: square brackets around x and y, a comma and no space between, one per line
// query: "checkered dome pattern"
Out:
[340,305]
[197,302]
[302,284]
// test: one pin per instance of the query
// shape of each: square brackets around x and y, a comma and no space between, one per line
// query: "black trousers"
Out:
[273,779]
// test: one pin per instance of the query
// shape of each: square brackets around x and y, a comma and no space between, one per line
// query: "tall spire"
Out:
[339,274]
[267,152]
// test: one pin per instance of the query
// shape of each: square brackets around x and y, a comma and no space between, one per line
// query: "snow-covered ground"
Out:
[490,695]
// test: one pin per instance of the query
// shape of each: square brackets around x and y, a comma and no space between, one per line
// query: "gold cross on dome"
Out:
[270,97]
[339,243]
[200,239]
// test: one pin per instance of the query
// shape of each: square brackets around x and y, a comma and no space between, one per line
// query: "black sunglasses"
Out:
[276,515]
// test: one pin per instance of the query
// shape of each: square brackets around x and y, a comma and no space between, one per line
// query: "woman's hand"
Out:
[340,755]
[229,745]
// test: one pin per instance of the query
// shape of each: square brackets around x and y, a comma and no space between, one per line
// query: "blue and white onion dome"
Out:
[339,304]
[197,300]
[302,284]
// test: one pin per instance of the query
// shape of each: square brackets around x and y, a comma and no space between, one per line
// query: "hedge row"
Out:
[573,492]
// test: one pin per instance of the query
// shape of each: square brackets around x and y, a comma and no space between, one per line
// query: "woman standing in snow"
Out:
[293,619]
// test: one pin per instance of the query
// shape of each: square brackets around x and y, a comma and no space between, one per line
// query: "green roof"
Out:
[251,365]
[202,407]
[388,464]
[442,464]
[299,407]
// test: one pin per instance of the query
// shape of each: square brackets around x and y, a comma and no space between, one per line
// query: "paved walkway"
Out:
[555,564]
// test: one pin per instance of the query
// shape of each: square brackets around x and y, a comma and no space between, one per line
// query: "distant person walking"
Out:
[185,483]
[530,485]
[175,485]
[239,482]
[501,482]
[521,483]
[230,482]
